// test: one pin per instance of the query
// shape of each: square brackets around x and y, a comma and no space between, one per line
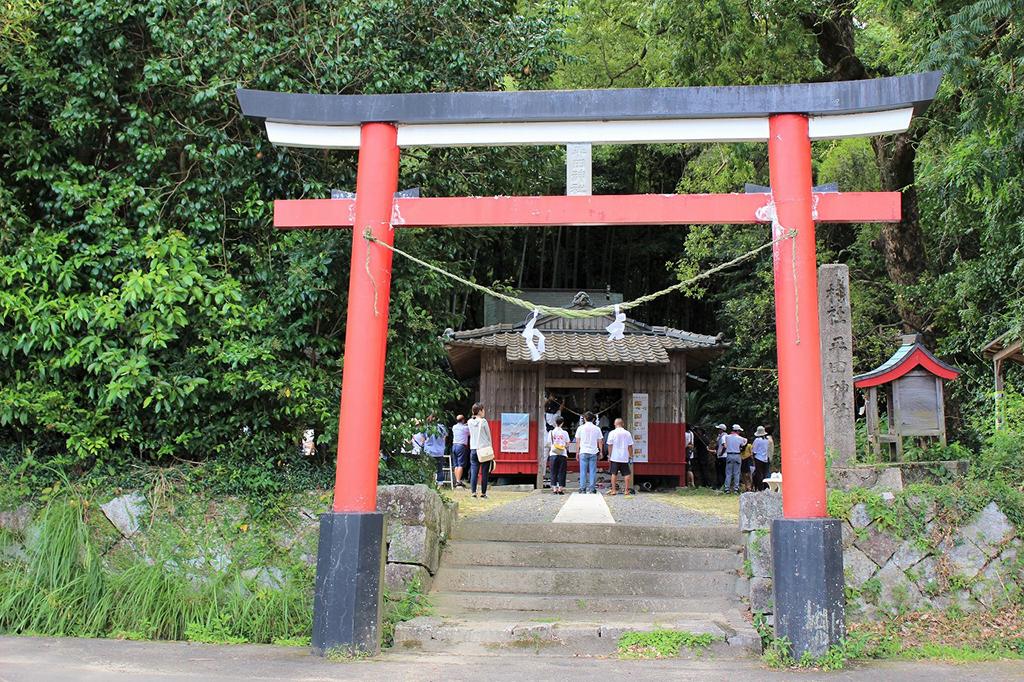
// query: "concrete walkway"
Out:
[28,659]
[584,508]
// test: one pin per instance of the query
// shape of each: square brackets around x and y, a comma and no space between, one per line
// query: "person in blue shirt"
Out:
[435,439]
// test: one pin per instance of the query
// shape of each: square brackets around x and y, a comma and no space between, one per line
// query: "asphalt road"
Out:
[24,659]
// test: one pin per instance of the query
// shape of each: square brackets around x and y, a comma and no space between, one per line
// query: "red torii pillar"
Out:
[806,546]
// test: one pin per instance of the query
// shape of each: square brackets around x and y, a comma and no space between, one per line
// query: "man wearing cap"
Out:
[734,443]
[720,456]
[762,458]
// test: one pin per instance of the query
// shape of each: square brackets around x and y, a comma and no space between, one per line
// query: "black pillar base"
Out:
[807,569]
[349,580]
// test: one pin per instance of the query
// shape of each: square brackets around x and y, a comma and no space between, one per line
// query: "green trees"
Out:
[148,310]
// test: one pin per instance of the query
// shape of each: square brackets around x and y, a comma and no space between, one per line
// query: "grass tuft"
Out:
[662,643]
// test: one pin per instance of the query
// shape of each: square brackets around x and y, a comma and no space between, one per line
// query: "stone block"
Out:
[761,598]
[897,591]
[878,546]
[269,576]
[890,479]
[448,517]
[126,512]
[758,510]
[410,505]
[16,520]
[849,536]
[758,551]
[907,555]
[859,517]
[964,556]
[922,506]
[989,530]
[845,478]
[857,567]
[397,578]
[414,545]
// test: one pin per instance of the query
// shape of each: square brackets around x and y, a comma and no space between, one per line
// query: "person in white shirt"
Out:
[460,449]
[558,456]
[590,441]
[479,437]
[734,443]
[690,459]
[762,458]
[620,442]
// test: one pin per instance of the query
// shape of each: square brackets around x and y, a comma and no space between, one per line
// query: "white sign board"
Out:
[639,415]
[578,169]
[515,432]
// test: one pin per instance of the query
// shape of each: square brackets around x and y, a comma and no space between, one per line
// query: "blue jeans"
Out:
[476,466]
[588,472]
[732,473]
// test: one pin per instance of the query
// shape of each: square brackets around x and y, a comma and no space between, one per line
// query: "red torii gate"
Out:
[809,602]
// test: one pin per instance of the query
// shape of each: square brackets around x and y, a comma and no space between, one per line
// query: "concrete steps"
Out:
[720,537]
[565,588]
[457,603]
[572,555]
[562,635]
[575,581]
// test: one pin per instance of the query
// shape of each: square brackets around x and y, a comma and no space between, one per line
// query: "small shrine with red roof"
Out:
[912,381]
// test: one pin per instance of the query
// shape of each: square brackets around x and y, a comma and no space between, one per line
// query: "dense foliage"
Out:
[148,310]
[149,313]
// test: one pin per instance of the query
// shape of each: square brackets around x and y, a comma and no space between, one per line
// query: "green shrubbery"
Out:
[65,587]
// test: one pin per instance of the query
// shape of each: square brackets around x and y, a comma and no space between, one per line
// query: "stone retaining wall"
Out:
[419,522]
[976,565]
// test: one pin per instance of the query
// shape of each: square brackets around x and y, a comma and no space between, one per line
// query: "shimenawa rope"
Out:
[572,313]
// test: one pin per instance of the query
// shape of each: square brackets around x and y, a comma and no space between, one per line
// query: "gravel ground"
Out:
[644,509]
[540,506]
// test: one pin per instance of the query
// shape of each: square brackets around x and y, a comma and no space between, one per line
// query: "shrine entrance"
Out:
[809,602]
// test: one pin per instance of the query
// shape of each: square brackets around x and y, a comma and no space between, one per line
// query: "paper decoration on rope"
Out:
[530,333]
[616,330]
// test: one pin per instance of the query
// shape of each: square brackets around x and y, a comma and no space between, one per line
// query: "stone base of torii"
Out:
[806,545]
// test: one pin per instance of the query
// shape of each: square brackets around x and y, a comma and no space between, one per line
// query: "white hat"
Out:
[737,427]
[721,426]
[760,431]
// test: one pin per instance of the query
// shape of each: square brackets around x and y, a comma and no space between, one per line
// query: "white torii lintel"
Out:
[530,133]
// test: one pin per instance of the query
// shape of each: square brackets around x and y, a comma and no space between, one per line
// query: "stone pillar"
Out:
[837,363]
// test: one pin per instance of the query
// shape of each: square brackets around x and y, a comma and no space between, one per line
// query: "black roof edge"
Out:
[734,101]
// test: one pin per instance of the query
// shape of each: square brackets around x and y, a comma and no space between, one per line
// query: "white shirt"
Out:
[587,437]
[619,440]
[558,436]
[479,433]
[460,434]
[760,448]
[720,446]
[734,443]
[689,439]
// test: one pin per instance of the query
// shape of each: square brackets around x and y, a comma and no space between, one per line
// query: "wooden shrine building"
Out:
[912,381]
[641,378]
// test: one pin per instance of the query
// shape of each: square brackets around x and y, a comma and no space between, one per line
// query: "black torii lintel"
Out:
[816,99]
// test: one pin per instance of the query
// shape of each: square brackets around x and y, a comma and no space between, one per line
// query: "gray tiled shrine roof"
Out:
[583,342]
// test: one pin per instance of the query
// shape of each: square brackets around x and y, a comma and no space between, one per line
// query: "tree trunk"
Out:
[902,243]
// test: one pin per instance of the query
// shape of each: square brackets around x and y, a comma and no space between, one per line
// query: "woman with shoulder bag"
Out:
[481,452]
